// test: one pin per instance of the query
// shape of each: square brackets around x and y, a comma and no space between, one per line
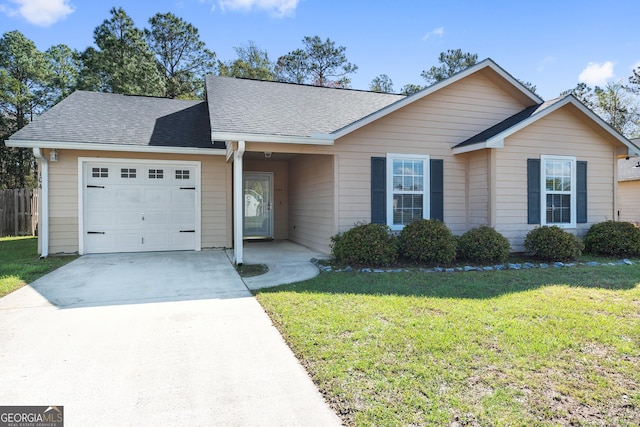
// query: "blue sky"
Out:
[553,44]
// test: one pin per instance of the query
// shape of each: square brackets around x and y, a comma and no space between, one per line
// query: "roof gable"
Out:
[494,137]
[488,66]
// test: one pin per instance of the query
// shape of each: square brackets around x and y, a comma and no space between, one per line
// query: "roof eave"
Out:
[112,147]
[314,139]
[489,143]
[487,63]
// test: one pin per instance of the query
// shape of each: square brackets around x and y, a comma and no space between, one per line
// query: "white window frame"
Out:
[426,186]
[544,192]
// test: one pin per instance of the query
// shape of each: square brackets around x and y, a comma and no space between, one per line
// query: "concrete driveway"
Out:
[152,339]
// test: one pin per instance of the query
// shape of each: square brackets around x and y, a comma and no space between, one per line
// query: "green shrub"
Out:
[428,241]
[613,238]
[365,244]
[483,245]
[553,244]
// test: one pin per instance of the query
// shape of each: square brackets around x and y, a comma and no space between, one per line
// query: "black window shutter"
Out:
[437,189]
[379,190]
[581,192]
[533,191]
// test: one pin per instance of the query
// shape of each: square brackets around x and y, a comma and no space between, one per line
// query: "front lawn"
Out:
[559,346]
[20,263]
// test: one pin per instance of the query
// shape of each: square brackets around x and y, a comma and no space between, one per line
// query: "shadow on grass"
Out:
[472,285]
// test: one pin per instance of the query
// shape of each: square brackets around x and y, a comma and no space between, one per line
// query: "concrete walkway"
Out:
[287,262]
[152,339]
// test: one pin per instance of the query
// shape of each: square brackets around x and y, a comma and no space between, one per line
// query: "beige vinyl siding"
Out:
[562,133]
[63,203]
[280,170]
[629,201]
[478,185]
[430,126]
[311,201]
[215,205]
[63,235]
[63,196]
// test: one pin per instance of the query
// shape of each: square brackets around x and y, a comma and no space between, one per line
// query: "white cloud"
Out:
[279,8]
[436,32]
[42,13]
[596,74]
[546,61]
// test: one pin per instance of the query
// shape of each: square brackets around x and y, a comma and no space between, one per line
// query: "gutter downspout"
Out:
[44,196]
[238,204]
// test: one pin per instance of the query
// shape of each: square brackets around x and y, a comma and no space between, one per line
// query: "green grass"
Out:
[20,263]
[502,348]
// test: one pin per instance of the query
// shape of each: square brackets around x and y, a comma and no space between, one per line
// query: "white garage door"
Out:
[135,207]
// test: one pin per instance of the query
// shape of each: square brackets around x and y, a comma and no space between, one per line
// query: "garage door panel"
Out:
[99,197]
[139,207]
[186,197]
[182,219]
[156,241]
[128,197]
[183,240]
[128,218]
[100,242]
[99,219]
[158,195]
[128,242]
[157,217]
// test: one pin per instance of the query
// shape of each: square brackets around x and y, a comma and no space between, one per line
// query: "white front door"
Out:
[258,205]
[139,206]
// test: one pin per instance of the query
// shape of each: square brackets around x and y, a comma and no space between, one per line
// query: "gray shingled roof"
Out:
[105,118]
[272,108]
[628,170]
[507,123]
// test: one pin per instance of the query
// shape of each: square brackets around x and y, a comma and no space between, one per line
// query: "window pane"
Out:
[406,208]
[558,175]
[397,183]
[397,167]
[100,172]
[408,183]
[408,175]
[549,184]
[417,167]
[558,208]
[127,173]
[418,183]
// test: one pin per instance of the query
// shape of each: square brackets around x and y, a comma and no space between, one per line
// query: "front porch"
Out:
[282,196]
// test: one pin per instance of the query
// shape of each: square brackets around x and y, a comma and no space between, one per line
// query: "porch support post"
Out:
[237,204]
[43,218]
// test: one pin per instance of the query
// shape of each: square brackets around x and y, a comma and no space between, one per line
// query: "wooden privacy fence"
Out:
[19,212]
